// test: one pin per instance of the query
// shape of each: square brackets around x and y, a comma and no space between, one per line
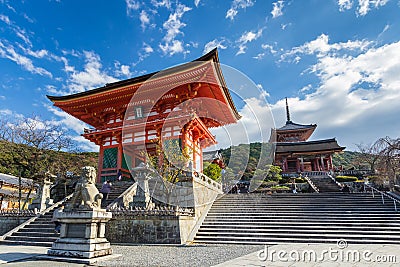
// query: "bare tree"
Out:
[389,161]
[40,134]
[368,154]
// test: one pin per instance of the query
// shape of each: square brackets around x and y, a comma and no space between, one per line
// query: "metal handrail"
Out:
[313,186]
[382,195]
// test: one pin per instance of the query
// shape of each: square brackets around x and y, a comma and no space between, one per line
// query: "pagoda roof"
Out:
[309,146]
[205,69]
[290,126]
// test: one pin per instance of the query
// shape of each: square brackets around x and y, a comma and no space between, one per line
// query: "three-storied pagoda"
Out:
[180,103]
[294,154]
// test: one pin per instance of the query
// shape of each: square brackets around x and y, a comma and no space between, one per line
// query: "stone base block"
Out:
[77,260]
[79,254]
[81,244]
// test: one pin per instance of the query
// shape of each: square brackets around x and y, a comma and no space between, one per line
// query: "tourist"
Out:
[294,188]
[105,190]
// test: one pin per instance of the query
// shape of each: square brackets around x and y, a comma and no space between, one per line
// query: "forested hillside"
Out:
[27,160]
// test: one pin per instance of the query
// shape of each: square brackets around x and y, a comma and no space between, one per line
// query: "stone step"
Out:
[310,224]
[277,240]
[32,238]
[300,208]
[260,231]
[311,235]
[305,212]
[304,219]
[37,234]
[24,243]
[37,229]
[210,227]
[315,217]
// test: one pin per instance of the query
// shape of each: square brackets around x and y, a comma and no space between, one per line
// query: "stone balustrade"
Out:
[157,211]
[18,213]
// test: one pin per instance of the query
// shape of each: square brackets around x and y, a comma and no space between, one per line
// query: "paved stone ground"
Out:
[138,255]
[175,256]
[222,256]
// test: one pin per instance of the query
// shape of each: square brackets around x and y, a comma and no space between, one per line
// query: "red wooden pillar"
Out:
[298,165]
[100,164]
[330,160]
[119,154]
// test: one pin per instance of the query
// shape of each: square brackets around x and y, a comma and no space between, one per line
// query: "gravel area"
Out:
[169,255]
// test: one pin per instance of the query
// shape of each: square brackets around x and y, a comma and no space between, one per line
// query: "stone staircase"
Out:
[301,218]
[324,184]
[118,187]
[40,232]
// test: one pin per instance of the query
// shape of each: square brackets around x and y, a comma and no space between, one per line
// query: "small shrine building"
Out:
[294,154]
[127,117]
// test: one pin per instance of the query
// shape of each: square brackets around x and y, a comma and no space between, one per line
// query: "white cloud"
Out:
[147,48]
[2,97]
[259,56]
[263,93]
[8,51]
[306,88]
[144,19]
[173,26]
[91,76]
[236,5]
[5,19]
[320,46]
[364,6]
[196,3]
[345,4]
[76,125]
[173,47]
[5,112]
[254,126]
[21,33]
[122,70]
[162,3]
[246,38]
[269,47]
[357,94]
[214,44]
[28,18]
[131,5]
[277,9]
[37,54]
[51,89]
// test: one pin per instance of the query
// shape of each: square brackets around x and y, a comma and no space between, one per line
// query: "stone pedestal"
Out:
[82,234]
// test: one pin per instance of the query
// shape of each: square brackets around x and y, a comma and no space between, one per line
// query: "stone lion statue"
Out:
[86,195]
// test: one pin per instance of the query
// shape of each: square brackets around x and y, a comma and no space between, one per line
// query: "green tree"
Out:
[213,171]
[274,173]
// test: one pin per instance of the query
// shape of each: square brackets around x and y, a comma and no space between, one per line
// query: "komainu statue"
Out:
[86,195]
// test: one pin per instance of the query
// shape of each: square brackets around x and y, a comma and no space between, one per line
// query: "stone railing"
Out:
[315,173]
[353,172]
[9,213]
[206,181]
[157,211]
[313,186]
[334,179]
[124,199]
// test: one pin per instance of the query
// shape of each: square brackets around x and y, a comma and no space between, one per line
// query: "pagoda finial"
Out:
[287,111]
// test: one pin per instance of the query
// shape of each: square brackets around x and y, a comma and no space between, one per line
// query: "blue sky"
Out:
[337,61]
